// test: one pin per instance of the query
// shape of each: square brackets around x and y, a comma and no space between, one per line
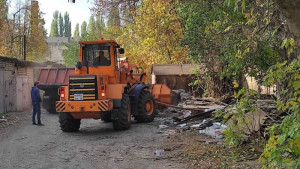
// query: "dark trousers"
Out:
[36,111]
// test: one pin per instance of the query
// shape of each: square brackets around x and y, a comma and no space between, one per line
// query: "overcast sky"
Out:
[78,11]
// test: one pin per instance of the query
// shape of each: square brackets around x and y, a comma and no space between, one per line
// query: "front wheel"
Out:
[68,123]
[123,120]
[146,107]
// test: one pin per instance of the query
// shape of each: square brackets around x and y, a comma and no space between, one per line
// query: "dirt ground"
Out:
[98,145]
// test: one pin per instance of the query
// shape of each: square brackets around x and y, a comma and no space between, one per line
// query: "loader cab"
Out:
[98,57]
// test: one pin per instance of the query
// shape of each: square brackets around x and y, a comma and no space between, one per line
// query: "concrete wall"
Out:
[55,53]
[252,84]
[56,47]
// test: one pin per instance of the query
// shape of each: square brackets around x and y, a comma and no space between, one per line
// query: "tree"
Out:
[237,37]
[127,7]
[114,18]
[71,54]
[16,28]
[61,25]
[225,41]
[155,36]
[100,27]
[67,27]
[76,31]
[91,29]
[113,24]
[36,44]
[83,29]
[3,26]
[54,25]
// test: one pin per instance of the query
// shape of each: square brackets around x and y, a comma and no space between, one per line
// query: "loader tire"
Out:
[106,117]
[123,120]
[147,108]
[68,123]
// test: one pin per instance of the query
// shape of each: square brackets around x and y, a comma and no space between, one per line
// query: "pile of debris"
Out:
[7,120]
[193,114]
[196,114]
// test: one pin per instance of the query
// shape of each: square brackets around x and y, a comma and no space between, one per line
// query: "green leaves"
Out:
[71,54]
[287,134]
[296,85]
[238,37]
[289,44]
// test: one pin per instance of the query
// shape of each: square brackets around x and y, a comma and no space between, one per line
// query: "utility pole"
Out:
[24,47]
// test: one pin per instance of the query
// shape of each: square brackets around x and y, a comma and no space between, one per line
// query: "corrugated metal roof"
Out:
[175,69]
[7,59]
[22,63]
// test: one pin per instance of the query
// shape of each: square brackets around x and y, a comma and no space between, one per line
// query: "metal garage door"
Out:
[5,90]
[23,94]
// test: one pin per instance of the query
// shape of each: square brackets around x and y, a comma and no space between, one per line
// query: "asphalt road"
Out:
[96,145]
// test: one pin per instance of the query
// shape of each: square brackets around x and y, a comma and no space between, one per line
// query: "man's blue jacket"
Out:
[35,94]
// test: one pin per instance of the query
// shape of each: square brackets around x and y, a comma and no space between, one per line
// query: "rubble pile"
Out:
[8,120]
[196,114]
[193,114]
[183,95]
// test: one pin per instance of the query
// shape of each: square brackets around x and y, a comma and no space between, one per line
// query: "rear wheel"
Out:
[68,123]
[146,107]
[123,120]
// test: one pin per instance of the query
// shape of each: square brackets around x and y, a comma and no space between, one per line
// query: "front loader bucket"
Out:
[164,94]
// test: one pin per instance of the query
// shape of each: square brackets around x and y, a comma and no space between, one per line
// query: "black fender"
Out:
[134,95]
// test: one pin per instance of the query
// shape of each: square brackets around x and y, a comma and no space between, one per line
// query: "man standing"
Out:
[36,104]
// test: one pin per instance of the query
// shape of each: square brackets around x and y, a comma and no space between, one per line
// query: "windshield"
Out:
[96,54]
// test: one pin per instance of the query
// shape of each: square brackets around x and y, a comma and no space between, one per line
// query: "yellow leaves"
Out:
[235,84]
[247,50]
[239,54]
[292,42]
[247,15]
[207,29]
[227,29]
[155,37]
[289,44]
[298,142]
[293,103]
[249,21]
[267,20]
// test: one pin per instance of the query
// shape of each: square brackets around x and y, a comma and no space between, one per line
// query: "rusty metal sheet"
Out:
[55,76]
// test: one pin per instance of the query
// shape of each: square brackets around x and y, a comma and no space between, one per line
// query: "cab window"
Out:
[96,54]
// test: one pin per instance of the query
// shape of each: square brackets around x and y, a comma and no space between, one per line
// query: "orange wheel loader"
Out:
[101,90]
